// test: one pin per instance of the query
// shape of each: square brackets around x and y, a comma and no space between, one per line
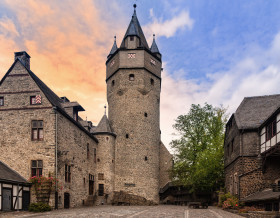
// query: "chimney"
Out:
[24,58]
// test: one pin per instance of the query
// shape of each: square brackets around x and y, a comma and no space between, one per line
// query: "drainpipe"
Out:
[241,154]
[56,193]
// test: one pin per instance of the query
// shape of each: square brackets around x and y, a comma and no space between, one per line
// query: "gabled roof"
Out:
[264,195]
[9,175]
[50,95]
[154,48]
[253,111]
[103,126]
[134,29]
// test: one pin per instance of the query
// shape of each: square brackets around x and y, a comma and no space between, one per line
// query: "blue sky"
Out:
[216,51]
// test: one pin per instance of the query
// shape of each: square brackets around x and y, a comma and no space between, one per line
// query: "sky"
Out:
[217,51]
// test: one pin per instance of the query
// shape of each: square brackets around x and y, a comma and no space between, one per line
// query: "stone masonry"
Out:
[120,158]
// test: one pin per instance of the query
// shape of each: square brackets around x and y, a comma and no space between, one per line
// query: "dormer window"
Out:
[131,38]
[1,101]
[271,130]
[75,115]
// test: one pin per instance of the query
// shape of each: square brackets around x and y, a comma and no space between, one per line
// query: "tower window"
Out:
[131,77]
[146,115]
[152,82]
[131,38]
[127,136]
[113,82]
[1,101]
[146,158]
[100,176]
[87,150]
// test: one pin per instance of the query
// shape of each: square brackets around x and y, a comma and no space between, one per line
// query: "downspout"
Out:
[56,193]
[241,154]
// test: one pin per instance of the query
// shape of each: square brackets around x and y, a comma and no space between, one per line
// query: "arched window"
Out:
[152,82]
[113,82]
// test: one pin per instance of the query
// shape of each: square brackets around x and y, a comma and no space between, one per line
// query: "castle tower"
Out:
[133,77]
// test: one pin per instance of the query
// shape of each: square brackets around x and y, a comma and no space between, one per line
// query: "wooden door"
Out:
[7,199]
[66,200]
[25,200]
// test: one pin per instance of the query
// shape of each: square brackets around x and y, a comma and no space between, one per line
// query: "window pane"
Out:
[40,172]
[41,134]
[32,100]
[33,172]
[274,127]
[34,124]
[34,134]
[34,163]
[40,124]
[40,163]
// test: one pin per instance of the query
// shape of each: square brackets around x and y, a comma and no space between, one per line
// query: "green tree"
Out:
[198,162]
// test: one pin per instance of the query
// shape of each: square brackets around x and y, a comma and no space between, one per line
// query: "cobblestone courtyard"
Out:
[131,211]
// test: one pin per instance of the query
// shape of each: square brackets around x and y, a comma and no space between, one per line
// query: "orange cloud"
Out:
[68,43]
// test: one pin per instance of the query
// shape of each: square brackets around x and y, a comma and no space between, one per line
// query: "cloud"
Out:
[168,28]
[7,27]
[256,74]
[68,44]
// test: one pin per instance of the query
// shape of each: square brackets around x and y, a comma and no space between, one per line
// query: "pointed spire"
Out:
[103,126]
[134,29]
[154,48]
[114,47]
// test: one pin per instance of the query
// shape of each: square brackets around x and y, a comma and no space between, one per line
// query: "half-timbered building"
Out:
[251,151]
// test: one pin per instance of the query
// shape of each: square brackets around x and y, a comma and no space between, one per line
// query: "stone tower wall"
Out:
[134,116]
[106,164]
[165,165]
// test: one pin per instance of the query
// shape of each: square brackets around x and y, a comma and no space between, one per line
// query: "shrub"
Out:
[231,203]
[223,198]
[39,207]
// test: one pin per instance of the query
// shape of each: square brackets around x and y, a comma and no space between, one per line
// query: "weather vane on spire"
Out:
[105,108]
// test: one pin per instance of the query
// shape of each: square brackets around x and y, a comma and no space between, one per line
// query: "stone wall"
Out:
[106,165]
[165,165]
[72,151]
[232,135]
[134,117]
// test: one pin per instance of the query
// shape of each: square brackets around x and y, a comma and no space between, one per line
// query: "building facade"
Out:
[252,167]
[42,134]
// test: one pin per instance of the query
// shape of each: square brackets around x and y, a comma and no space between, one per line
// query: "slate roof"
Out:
[253,111]
[134,29]
[264,195]
[9,175]
[50,95]
[103,126]
[154,48]
[114,48]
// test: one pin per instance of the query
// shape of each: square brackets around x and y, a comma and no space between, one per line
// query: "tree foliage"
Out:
[198,161]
